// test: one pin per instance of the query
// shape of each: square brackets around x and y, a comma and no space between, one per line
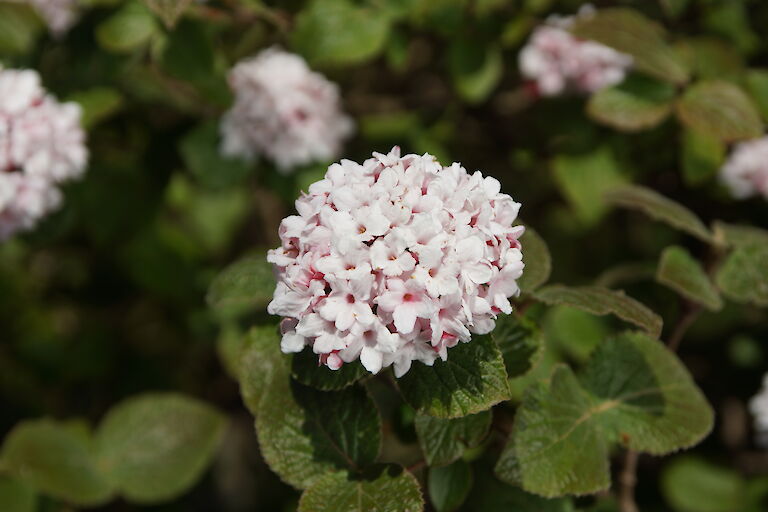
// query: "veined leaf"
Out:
[444,441]
[679,271]
[603,301]
[721,109]
[306,369]
[261,364]
[386,488]
[520,342]
[638,103]
[660,208]
[743,277]
[738,234]
[128,29]
[634,391]
[449,485]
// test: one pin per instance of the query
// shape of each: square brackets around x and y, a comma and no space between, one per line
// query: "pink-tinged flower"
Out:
[556,62]
[59,15]
[394,260]
[41,146]
[284,111]
[758,406]
[746,171]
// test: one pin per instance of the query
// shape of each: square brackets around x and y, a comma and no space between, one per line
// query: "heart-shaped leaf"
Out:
[721,109]
[636,104]
[678,270]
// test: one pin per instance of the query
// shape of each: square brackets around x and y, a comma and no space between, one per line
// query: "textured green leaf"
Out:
[154,447]
[721,109]
[584,178]
[244,287]
[628,31]
[658,207]
[743,277]
[57,459]
[306,369]
[520,342]
[538,261]
[382,489]
[633,391]
[128,29]
[98,104]
[19,28]
[702,156]
[335,32]
[574,332]
[489,494]
[476,69]
[694,485]
[444,441]
[16,496]
[636,104]
[681,272]
[710,57]
[200,150]
[757,86]
[473,379]
[169,10]
[305,433]
[261,364]
[449,486]
[738,234]
[603,301]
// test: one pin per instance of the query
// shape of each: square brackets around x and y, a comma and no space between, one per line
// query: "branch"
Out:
[628,481]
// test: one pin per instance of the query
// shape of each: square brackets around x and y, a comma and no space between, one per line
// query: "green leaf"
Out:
[154,447]
[743,277]
[306,369]
[738,234]
[658,207]
[473,379]
[693,485]
[630,32]
[56,459]
[305,433]
[757,86]
[575,333]
[98,104]
[603,301]
[189,53]
[169,10]
[200,150]
[720,109]
[382,489]
[16,496]
[636,104]
[520,342]
[712,58]
[685,275]
[476,69]
[538,261]
[338,32]
[261,364]
[633,391]
[444,441]
[583,179]
[449,486]
[19,28]
[702,156]
[244,287]
[489,494]
[129,29]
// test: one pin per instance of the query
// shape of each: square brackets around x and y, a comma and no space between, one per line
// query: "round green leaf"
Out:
[382,489]
[169,10]
[702,156]
[260,363]
[244,287]
[449,485]
[476,69]
[306,369]
[679,271]
[98,104]
[444,441]
[721,109]
[128,29]
[636,104]
[694,485]
[19,28]
[743,277]
[473,379]
[154,447]
[57,459]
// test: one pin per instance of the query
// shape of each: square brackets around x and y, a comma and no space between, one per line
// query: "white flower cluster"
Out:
[557,62]
[283,110]
[41,145]
[59,15]
[395,260]
[758,406]
[746,171]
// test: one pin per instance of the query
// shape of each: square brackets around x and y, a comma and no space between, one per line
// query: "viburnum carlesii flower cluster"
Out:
[395,260]
[556,61]
[284,111]
[41,146]
[746,171]
[758,406]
